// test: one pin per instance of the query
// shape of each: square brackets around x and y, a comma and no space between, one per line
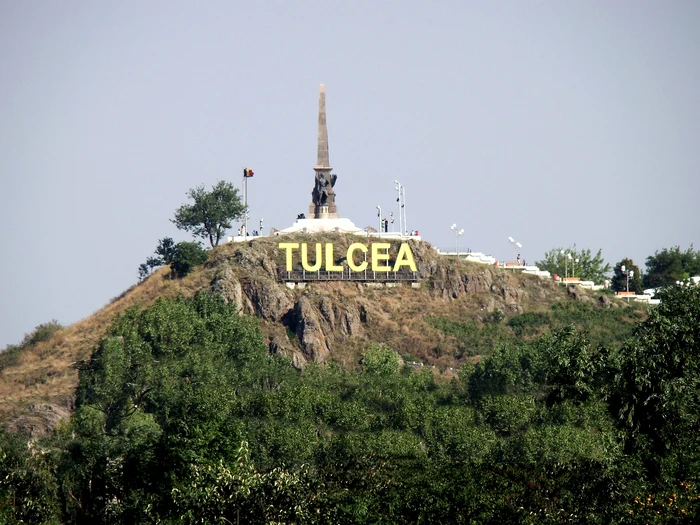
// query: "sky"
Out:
[555,123]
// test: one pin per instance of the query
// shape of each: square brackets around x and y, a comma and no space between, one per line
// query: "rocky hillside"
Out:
[459,312]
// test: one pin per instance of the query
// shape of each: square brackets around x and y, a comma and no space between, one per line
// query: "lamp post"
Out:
[402,206]
[573,272]
[261,226]
[379,214]
[391,220]
[516,246]
[628,274]
[457,234]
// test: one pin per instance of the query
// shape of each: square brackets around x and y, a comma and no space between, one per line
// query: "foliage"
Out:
[182,416]
[667,266]
[589,267]
[187,255]
[28,486]
[165,251]
[619,281]
[657,381]
[211,213]
[165,254]
[42,332]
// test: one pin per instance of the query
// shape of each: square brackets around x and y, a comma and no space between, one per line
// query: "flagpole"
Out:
[245,205]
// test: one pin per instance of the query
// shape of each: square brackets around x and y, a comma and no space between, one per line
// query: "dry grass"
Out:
[44,373]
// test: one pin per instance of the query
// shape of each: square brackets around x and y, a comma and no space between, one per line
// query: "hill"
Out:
[460,312]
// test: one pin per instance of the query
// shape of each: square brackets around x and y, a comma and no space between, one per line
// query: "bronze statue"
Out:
[322,189]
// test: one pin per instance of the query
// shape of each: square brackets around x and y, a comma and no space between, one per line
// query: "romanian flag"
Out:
[247,172]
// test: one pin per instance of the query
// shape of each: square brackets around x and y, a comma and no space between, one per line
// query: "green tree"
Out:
[619,279]
[576,263]
[211,213]
[667,266]
[657,385]
[165,250]
[187,255]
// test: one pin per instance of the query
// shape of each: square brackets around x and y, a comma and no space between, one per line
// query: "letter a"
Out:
[405,258]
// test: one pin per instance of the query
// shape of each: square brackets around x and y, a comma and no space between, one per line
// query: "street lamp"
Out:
[573,272]
[402,206]
[457,234]
[628,273]
[379,214]
[261,226]
[516,246]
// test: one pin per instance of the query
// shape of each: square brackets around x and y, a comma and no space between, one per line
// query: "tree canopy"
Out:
[211,213]
[620,280]
[184,416]
[667,266]
[562,261]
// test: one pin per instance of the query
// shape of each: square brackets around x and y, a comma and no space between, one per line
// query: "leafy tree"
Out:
[667,266]
[165,251]
[187,255]
[211,213]
[657,384]
[589,267]
[619,279]
[144,271]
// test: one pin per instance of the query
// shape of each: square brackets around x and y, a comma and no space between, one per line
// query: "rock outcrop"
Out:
[324,316]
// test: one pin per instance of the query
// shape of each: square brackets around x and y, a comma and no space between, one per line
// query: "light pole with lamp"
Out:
[573,271]
[379,214]
[261,227]
[516,246]
[566,263]
[457,234]
[628,274]
[402,206]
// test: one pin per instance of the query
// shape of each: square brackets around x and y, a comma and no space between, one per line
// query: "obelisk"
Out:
[323,196]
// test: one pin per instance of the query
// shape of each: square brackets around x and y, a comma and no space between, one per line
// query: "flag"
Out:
[247,172]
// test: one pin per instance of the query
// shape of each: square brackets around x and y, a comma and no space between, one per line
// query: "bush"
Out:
[187,255]
[43,332]
[528,323]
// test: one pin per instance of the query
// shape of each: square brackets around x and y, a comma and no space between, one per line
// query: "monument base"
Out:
[323,212]
[328,224]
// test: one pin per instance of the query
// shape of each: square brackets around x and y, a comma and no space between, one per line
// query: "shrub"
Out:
[187,255]
[43,332]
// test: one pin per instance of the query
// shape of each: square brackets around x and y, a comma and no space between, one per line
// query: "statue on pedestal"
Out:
[322,189]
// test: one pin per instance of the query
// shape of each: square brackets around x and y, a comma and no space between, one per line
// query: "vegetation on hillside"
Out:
[211,212]
[576,263]
[668,266]
[184,417]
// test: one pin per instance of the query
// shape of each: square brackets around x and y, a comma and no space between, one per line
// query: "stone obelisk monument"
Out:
[323,196]
[323,213]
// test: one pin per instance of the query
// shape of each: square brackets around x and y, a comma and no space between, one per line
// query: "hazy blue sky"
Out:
[553,122]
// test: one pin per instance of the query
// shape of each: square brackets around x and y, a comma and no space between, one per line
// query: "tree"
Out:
[656,387]
[165,251]
[667,266]
[187,255]
[619,279]
[588,267]
[211,213]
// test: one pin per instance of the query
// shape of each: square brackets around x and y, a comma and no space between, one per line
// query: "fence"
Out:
[298,276]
